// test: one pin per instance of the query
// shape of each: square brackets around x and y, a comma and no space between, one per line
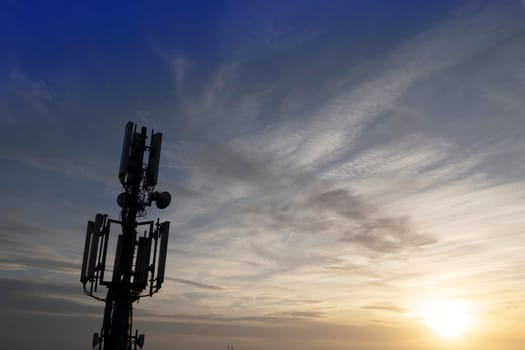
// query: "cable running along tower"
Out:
[139,257]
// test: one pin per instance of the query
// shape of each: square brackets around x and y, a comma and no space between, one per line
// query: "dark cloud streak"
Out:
[195,284]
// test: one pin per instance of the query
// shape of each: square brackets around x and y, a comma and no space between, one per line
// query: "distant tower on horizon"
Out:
[140,257]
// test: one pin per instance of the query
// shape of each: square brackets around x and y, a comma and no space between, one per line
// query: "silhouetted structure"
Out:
[139,261]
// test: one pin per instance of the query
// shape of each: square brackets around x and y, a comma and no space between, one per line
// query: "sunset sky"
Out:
[341,171]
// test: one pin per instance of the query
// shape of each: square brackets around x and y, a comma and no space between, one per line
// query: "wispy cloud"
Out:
[387,307]
[364,176]
[36,93]
[195,284]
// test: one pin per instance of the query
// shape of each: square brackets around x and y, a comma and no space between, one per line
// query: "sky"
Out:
[337,169]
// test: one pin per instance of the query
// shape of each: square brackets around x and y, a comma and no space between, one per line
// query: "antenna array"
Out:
[139,261]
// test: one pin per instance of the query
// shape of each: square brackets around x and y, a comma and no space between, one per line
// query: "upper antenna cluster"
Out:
[132,167]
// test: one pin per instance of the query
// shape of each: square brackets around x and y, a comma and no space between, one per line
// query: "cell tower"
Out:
[139,259]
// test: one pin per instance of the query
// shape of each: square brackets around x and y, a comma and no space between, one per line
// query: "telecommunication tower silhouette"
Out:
[139,259]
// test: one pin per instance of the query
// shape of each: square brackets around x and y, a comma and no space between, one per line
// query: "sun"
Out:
[449,319]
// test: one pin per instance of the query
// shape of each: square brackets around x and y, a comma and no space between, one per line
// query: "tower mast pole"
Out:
[120,297]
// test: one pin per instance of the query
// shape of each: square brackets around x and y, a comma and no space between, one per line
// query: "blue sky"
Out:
[335,166]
